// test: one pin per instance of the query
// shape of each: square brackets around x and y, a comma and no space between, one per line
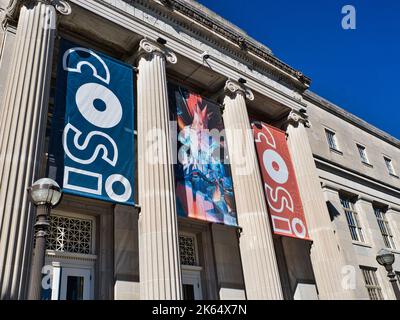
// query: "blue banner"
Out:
[91,151]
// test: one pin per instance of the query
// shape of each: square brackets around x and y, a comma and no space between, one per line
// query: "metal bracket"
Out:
[138,207]
[239,231]
[222,108]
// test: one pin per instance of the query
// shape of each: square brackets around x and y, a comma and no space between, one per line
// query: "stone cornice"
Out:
[322,163]
[336,110]
[365,198]
[392,207]
[329,186]
[242,41]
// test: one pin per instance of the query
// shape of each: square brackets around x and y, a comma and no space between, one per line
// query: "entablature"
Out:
[137,19]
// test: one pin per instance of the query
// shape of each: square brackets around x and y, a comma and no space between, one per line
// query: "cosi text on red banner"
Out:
[280,184]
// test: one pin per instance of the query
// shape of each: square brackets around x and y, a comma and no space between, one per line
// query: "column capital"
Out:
[14,6]
[233,88]
[62,6]
[295,118]
[149,47]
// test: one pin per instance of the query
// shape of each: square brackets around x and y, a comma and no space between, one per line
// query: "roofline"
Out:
[227,31]
[336,110]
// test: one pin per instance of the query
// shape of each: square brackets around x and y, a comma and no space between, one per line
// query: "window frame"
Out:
[364,157]
[334,140]
[390,168]
[384,227]
[196,249]
[70,215]
[371,283]
[352,218]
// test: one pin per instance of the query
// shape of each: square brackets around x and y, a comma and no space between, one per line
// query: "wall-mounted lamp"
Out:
[205,55]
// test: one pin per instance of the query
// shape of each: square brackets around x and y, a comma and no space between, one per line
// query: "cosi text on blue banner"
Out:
[92,141]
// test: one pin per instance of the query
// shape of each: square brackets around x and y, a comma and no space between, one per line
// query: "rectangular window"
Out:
[384,227]
[188,250]
[331,138]
[352,219]
[363,153]
[371,283]
[70,234]
[389,166]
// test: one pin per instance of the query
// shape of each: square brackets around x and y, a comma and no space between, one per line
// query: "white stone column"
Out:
[326,257]
[22,127]
[260,269]
[159,263]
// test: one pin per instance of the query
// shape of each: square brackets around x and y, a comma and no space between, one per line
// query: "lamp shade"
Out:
[385,257]
[45,191]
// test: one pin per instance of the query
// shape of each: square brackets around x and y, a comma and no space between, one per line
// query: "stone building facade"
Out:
[346,170]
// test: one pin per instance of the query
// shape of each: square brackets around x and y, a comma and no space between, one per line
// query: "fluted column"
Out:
[260,269]
[159,265]
[326,258]
[22,124]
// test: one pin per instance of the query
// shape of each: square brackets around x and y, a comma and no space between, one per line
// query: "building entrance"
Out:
[191,284]
[75,284]
[69,258]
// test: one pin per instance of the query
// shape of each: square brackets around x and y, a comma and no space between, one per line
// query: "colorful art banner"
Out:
[91,151]
[204,188]
[280,184]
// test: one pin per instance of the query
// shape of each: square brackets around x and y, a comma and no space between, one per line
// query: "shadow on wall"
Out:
[295,268]
[333,212]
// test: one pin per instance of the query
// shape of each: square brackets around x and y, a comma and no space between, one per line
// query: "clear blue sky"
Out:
[359,70]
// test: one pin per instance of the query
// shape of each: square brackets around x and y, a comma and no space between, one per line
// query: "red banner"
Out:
[280,184]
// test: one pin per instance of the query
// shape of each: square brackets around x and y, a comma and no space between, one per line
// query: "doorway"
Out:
[75,284]
[70,262]
[191,283]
